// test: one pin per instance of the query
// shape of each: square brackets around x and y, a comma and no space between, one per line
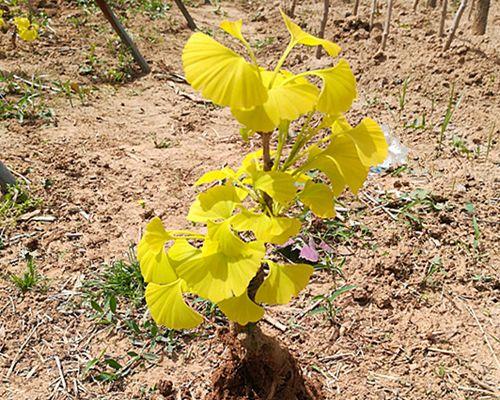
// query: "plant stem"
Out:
[266,150]
[267,165]
[282,138]
[281,61]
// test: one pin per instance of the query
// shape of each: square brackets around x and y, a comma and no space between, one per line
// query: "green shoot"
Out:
[29,279]
[450,110]
[402,94]
[469,207]
[490,141]
[328,301]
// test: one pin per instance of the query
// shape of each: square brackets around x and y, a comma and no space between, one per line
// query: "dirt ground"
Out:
[423,320]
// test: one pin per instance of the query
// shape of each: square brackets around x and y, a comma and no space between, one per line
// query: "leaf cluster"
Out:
[242,213]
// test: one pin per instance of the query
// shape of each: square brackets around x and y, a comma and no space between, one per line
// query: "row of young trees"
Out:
[478,12]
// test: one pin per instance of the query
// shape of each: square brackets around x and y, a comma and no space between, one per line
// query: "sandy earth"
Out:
[398,335]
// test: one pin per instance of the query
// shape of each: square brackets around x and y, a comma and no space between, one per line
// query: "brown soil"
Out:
[259,369]
[403,333]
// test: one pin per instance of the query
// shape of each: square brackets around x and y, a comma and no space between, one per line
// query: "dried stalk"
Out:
[415,5]
[456,22]
[326,4]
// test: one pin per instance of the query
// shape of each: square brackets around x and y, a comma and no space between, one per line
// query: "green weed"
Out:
[402,94]
[120,280]
[15,203]
[22,101]
[326,303]
[469,207]
[263,43]
[30,278]
[450,110]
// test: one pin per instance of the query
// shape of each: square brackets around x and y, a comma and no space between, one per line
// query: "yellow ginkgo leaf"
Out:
[234,29]
[215,204]
[153,261]
[319,198]
[180,252]
[289,98]
[338,90]
[299,36]
[370,142]
[167,306]
[283,282]
[225,266]
[241,309]
[155,267]
[341,163]
[276,230]
[217,175]
[280,186]
[220,74]
[155,236]
[339,124]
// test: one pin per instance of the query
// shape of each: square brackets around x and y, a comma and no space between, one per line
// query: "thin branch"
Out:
[456,22]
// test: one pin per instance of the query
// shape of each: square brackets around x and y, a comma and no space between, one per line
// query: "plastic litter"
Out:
[397,153]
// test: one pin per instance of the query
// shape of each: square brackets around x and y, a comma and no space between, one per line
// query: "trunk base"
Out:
[259,369]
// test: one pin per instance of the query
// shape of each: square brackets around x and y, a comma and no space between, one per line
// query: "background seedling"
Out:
[30,278]
[450,110]
[328,302]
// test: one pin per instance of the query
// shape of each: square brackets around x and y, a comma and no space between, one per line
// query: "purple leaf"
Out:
[309,252]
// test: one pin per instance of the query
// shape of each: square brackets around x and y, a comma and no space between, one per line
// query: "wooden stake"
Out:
[387,26]
[415,5]
[326,4]
[444,10]
[456,22]
[120,30]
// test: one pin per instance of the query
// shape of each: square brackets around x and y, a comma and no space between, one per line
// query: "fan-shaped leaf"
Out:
[220,74]
[241,309]
[168,308]
[283,282]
